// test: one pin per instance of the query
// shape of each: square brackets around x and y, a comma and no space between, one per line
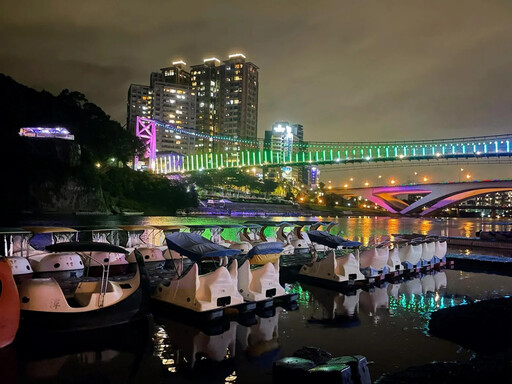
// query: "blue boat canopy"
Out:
[265,248]
[331,241]
[196,247]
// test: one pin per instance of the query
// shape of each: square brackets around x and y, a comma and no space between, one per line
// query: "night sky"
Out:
[346,70]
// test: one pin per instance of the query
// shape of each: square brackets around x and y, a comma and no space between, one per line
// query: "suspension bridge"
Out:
[489,148]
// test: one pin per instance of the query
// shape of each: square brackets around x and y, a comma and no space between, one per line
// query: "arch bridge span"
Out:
[435,197]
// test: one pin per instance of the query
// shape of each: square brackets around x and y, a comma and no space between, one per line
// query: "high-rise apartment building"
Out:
[170,99]
[140,103]
[205,80]
[176,105]
[239,97]
[214,98]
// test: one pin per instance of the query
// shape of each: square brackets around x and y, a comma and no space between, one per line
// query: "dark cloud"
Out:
[347,70]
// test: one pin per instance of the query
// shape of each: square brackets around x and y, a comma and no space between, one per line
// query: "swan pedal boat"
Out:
[142,238]
[333,270]
[205,296]
[258,276]
[95,304]
[43,261]
[433,248]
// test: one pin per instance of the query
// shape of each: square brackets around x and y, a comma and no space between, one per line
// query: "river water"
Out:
[387,324]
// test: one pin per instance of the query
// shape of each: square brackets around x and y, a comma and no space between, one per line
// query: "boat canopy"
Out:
[196,247]
[49,229]
[331,241]
[265,248]
[136,228]
[169,227]
[14,231]
[96,229]
[225,226]
[85,246]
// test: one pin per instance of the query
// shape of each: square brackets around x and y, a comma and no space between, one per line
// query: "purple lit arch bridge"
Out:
[435,197]
[251,152]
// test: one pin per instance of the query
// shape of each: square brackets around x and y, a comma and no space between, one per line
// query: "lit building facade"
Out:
[239,98]
[214,98]
[169,98]
[176,105]
[283,141]
[205,80]
[140,103]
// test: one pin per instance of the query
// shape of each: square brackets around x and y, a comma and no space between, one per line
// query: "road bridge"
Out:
[435,197]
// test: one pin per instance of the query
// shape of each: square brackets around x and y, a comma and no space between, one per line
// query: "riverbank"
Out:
[234,208]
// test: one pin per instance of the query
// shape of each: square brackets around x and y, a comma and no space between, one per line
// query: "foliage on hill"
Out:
[232,178]
[33,166]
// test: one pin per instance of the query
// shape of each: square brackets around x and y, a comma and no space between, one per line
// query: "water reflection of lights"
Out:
[304,295]
[231,378]
[423,304]
[163,350]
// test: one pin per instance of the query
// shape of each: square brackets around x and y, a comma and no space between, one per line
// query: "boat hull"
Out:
[9,305]
[123,312]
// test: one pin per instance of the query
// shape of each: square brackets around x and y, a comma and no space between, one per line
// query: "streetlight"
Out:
[392,181]
[425,179]
[351,179]
[414,179]
[461,170]
[468,176]
[366,184]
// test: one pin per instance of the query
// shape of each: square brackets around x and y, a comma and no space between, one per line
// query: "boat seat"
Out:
[264,253]
[85,291]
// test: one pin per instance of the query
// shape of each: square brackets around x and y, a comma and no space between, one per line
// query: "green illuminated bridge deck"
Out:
[370,154]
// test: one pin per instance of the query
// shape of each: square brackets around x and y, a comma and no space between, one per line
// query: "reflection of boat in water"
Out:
[111,355]
[411,287]
[9,304]
[260,339]
[192,345]
[428,283]
[440,280]
[335,309]
[373,299]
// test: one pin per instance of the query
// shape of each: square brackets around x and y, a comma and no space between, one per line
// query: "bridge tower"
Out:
[145,129]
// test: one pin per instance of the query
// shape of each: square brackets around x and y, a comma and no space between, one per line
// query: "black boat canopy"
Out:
[196,247]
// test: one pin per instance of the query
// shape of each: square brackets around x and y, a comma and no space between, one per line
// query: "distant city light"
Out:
[46,133]
[236,55]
